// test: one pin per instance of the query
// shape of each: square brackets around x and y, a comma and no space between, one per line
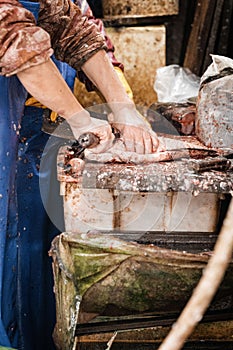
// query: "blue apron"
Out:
[27,302]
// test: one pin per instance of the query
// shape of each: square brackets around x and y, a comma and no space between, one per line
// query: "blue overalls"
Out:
[27,302]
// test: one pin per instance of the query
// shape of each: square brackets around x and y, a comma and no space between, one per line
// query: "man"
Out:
[26,46]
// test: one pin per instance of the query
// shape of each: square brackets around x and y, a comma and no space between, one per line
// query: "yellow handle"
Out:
[34,103]
[124,82]
[31,101]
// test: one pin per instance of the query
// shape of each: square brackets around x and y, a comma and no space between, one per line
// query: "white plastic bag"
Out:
[175,84]
[219,63]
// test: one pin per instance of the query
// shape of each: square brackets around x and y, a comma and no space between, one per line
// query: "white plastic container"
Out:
[103,209]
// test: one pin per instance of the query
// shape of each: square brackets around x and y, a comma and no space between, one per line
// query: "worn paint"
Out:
[138,8]
[105,209]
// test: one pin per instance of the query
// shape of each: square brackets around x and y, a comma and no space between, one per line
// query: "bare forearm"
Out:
[45,83]
[101,72]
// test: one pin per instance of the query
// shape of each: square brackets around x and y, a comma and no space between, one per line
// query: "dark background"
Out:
[215,37]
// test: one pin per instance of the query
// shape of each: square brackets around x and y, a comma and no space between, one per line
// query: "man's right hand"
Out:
[82,123]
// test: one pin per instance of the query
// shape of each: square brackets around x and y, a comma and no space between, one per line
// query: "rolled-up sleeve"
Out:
[74,39]
[22,43]
[61,29]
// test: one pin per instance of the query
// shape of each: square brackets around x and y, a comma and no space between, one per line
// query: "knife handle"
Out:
[218,163]
[88,140]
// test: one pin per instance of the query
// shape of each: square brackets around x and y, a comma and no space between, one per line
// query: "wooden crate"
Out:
[146,8]
[212,336]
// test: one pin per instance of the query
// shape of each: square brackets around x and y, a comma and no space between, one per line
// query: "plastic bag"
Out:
[176,84]
[219,64]
[214,116]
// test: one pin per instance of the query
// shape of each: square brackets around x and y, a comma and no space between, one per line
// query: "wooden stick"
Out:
[199,36]
[215,28]
[206,288]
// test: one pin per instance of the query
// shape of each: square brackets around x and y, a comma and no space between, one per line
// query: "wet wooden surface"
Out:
[202,345]
[175,175]
[163,177]
[150,338]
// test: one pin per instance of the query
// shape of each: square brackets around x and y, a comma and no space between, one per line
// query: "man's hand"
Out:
[82,123]
[135,131]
